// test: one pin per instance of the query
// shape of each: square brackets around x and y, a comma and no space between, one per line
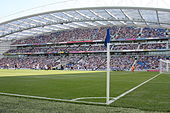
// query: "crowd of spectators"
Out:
[82,62]
[153,32]
[128,32]
[37,50]
[28,62]
[95,34]
[125,47]
[87,61]
[51,49]
[153,46]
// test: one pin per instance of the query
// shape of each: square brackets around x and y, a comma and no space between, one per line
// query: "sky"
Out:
[11,9]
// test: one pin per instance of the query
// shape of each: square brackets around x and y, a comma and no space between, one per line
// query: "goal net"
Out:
[165,66]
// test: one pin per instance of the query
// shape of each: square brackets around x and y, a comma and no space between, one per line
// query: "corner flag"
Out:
[107,39]
[107,44]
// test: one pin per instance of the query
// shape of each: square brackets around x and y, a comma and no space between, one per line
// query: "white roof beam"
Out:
[142,18]
[83,15]
[45,29]
[75,19]
[101,23]
[99,17]
[23,34]
[127,16]
[13,36]
[37,33]
[36,30]
[58,17]
[111,14]
[72,26]
[70,16]
[67,20]
[26,34]
[114,16]
[54,27]
[31,31]
[111,22]
[60,27]
[42,29]
[51,28]
[158,22]
[27,23]
[16,25]
[37,21]
[97,14]
[45,18]
[80,24]
[91,23]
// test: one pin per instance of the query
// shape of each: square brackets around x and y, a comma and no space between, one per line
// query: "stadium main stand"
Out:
[83,62]
[95,34]
[83,49]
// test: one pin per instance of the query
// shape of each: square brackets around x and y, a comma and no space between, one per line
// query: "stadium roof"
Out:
[84,18]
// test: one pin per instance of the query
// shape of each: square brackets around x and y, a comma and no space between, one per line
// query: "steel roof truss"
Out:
[157,18]
[114,17]
[27,23]
[16,25]
[127,16]
[49,27]
[97,14]
[91,23]
[80,24]
[70,16]
[37,21]
[83,15]
[58,17]
[99,17]
[60,27]
[142,18]
[47,19]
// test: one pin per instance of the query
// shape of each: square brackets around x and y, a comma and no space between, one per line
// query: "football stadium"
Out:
[89,57]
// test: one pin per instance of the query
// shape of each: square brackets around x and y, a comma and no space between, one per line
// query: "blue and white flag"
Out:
[107,39]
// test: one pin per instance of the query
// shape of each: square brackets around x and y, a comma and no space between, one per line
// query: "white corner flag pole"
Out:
[108,75]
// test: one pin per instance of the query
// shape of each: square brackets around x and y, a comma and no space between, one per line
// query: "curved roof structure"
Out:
[84,18]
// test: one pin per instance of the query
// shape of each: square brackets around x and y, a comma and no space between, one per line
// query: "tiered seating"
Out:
[84,62]
[88,61]
[95,34]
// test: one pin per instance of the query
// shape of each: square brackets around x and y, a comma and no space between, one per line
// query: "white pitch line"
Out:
[28,96]
[54,99]
[125,93]
[75,100]
[89,98]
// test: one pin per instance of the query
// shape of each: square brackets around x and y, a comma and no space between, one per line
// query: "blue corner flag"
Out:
[107,39]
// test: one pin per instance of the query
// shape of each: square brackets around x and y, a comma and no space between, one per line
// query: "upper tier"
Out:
[96,34]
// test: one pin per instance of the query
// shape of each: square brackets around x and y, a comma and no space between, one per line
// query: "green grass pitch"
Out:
[153,96]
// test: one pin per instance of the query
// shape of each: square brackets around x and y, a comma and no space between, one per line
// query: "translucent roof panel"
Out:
[149,15]
[132,14]
[117,13]
[88,14]
[59,20]
[75,14]
[101,13]
[164,17]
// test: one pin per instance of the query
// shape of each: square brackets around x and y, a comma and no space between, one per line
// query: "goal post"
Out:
[164,66]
